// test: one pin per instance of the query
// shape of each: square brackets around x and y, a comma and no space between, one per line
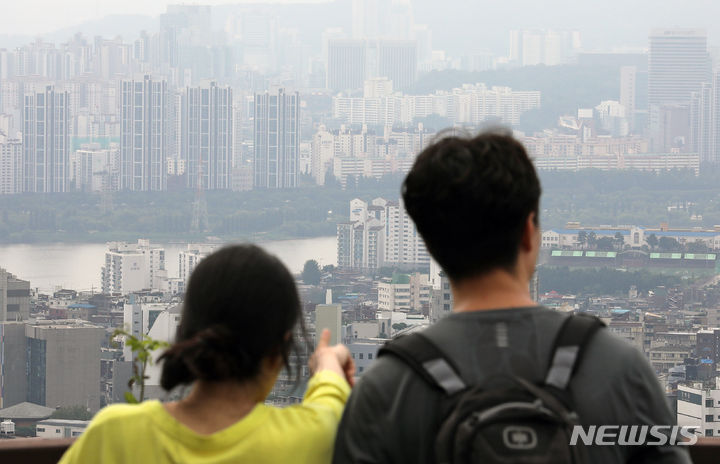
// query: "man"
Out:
[475,202]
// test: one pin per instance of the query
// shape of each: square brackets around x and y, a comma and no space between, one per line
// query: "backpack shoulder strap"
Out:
[570,343]
[427,360]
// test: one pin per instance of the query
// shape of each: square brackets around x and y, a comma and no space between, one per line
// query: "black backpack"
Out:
[507,419]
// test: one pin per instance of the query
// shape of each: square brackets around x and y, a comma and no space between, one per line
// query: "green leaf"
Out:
[130,398]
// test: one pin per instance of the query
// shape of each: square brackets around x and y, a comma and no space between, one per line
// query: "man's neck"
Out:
[498,289]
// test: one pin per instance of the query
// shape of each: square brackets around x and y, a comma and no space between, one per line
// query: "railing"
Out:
[47,451]
[33,450]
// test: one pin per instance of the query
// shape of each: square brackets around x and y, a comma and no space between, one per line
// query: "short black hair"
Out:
[240,307]
[470,198]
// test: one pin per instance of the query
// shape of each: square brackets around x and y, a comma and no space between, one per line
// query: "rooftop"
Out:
[26,411]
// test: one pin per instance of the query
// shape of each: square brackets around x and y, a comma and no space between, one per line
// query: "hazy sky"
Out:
[456,24]
[29,17]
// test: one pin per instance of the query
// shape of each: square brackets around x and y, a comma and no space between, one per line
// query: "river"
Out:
[77,266]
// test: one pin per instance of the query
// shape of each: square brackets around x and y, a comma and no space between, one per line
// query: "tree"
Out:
[399,326]
[311,273]
[72,413]
[582,238]
[592,239]
[652,241]
[605,244]
[142,348]
[668,244]
[698,246]
[619,241]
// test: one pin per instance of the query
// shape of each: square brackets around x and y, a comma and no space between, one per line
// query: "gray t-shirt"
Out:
[393,415]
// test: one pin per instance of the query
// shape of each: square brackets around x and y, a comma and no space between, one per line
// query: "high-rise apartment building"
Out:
[206,136]
[144,132]
[361,240]
[277,139]
[705,120]
[46,131]
[628,93]
[11,167]
[380,234]
[403,244]
[131,267]
[188,259]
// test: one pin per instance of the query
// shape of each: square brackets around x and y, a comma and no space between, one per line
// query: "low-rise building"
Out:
[404,293]
[699,407]
[60,428]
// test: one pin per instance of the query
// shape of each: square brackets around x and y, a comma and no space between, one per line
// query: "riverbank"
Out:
[78,265]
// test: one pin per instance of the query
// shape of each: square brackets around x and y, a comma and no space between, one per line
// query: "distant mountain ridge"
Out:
[127,26]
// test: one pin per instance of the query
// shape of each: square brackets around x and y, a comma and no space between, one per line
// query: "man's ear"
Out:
[530,231]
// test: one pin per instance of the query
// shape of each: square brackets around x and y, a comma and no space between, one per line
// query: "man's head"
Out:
[475,202]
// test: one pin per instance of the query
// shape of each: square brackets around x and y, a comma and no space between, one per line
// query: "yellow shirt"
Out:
[134,434]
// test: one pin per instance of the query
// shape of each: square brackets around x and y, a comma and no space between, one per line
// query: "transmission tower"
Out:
[200,215]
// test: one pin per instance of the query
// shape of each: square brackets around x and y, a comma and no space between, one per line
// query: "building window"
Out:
[709,418]
[361,357]
[709,403]
[369,355]
[708,433]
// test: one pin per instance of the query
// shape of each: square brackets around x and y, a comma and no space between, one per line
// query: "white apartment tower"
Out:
[380,234]
[11,159]
[131,267]
[189,259]
[403,244]
[361,240]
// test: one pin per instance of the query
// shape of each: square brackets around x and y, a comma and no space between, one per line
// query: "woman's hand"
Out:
[334,358]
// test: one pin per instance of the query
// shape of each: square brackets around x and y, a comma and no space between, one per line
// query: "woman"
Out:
[235,336]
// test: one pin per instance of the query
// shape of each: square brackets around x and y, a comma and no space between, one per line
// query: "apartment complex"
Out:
[380,234]
[131,267]
[471,104]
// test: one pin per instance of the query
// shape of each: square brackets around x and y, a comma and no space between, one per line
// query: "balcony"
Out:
[42,451]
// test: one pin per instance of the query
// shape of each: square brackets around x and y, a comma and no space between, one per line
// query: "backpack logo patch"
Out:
[517,437]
